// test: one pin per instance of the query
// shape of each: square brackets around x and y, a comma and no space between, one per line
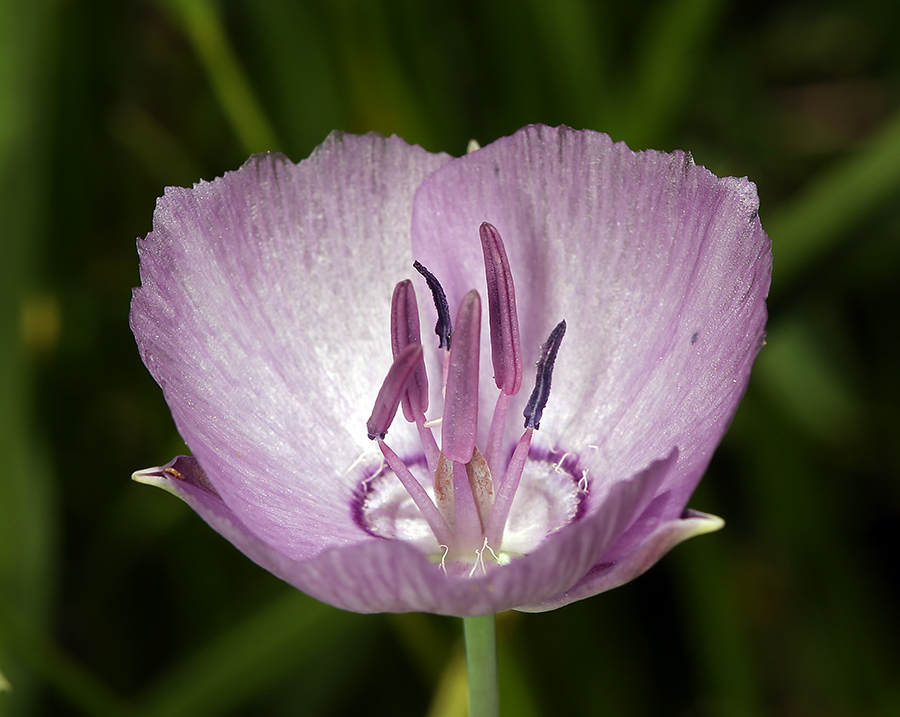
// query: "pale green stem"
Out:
[481,665]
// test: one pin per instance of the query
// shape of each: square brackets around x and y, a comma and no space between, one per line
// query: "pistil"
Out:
[461,401]
[460,426]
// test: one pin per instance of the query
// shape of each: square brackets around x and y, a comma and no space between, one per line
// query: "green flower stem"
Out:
[481,665]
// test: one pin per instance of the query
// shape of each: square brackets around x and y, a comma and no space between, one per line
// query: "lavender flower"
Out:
[276,310]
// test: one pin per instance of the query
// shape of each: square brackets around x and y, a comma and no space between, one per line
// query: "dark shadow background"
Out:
[117,600]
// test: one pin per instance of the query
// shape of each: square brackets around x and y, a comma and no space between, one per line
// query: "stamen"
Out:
[392,390]
[443,328]
[497,433]
[429,445]
[404,332]
[506,351]
[461,402]
[422,500]
[507,490]
[541,391]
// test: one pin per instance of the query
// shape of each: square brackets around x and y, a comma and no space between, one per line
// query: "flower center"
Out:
[466,509]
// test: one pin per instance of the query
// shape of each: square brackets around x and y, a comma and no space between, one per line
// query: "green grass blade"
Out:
[78,686]
[204,27]
[281,638]
[26,525]
[712,614]
[809,226]
[380,92]
[671,51]
[297,75]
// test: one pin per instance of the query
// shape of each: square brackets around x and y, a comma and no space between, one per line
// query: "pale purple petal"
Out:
[264,313]
[647,551]
[659,267]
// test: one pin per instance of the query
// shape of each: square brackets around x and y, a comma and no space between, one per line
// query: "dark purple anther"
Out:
[506,351]
[461,402]
[541,392]
[404,332]
[443,328]
[392,390]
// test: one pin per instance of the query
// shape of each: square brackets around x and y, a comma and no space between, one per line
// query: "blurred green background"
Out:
[116,599]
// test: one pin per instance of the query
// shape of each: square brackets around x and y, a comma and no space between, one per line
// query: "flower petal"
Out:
[263,313]
[607,574]
[659,267]
[380,575]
